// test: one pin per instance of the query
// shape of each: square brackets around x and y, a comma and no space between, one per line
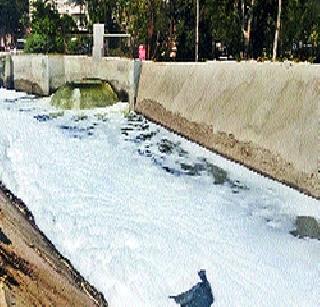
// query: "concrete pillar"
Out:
[1,70]
[98,33]
[45,76]
[134,79]
[8,73]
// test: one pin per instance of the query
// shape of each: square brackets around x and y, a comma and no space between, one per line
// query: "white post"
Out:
[197,35]
[277,33]
[98,34]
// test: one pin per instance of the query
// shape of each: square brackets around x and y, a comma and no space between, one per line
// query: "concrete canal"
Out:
[139,210]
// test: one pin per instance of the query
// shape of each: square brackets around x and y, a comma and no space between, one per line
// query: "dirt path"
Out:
[32,272]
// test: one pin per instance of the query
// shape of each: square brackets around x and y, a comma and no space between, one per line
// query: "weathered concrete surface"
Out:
[43,74]
[57,72]
[2,69]
[32,272]
[119,73]
[98,48]
[264,115]
[6,71]
[31,73]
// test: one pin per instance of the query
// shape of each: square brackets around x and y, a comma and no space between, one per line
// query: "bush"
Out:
[42,43]
[48,30]
[36,43]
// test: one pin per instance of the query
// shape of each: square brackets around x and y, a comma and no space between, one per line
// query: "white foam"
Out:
[140,234]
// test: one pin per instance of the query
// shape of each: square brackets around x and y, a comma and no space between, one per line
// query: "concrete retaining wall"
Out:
[57,72]
[31,73]
[2,69]
[264,115]
[119,73]
[42,74]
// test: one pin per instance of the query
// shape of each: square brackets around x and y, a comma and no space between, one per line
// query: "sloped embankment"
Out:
[263,115]
[32,271]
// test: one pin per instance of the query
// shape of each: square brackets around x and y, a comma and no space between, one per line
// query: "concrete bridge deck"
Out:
[44,74]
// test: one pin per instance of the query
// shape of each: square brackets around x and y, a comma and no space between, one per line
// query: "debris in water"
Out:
[42,118]
[199,296]
[306,226]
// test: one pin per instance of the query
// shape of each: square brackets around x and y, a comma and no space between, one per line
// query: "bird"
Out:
[199,295]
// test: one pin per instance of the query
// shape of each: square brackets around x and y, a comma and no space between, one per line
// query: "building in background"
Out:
[68,7]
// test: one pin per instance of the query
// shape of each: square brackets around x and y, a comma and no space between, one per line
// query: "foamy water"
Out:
[139,210]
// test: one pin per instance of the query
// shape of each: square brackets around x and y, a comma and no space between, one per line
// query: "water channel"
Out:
[139,210]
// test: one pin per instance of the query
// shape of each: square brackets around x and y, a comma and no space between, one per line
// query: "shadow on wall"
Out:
[28,86]
[2,64]
[6,72]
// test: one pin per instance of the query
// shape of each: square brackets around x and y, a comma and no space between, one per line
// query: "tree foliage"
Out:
[243,28]
[49,30]
[239,29]
[13,16]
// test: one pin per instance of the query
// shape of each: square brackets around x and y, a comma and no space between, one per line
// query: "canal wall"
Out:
[262,115]
[31,74]
[43,74]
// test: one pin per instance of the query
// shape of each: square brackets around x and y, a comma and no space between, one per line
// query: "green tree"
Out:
[301,29]
[224,18]
[247,28]
[100,11]
[13,17]
[49,30]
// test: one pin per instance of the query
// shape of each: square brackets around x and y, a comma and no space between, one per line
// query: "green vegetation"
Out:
[241,29]
[13,17]
[238,29]
[49,30]
[92,95]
